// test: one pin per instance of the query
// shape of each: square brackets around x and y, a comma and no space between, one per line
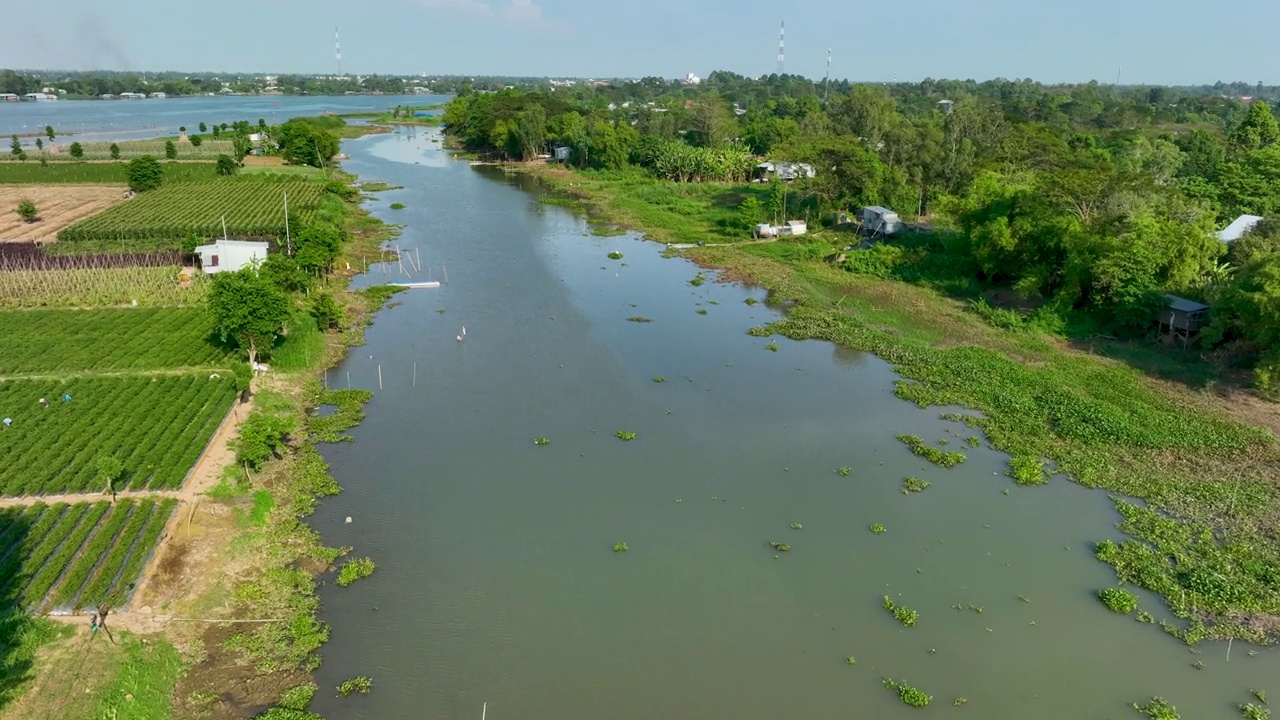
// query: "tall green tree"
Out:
[15,145]
[144,173]
[248,310]
[77,150]
[170,150]
[1258,130]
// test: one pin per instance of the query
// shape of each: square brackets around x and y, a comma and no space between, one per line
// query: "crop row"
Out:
[72,556]
[106,173]
[249,208]
[44,341]
[155,426]
[98,287]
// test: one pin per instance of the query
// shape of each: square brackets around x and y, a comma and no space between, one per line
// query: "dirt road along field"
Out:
[57,205]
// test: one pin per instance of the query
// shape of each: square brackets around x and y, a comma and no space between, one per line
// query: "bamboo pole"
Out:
[415,374]
[379,377]
[446,273]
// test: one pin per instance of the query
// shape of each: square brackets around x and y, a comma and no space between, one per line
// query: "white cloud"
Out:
[517,12]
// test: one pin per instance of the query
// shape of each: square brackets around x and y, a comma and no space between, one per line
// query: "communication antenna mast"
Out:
[337,51]
[1118,69]
[781,35]
[826,81]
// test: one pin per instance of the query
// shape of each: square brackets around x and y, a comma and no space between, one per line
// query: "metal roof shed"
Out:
[1238,228]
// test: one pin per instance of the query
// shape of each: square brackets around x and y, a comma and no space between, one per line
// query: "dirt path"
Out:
[92,497]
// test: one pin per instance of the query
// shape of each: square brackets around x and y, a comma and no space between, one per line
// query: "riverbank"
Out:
[1207,457]
[224,620]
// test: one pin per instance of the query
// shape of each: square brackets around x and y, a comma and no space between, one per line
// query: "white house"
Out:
[793,227]
[880,220]
[1238,228]
[230,255]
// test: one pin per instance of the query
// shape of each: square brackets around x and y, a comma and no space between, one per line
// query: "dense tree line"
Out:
[1092,201]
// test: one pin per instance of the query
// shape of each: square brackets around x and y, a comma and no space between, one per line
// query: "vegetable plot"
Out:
[74,556]
[44,341]
[156,426]
[251,207]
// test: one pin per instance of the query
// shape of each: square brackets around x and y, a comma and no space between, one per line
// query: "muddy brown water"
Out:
[496,579]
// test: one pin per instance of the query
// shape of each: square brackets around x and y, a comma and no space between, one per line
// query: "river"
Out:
[497,582]
[102,120]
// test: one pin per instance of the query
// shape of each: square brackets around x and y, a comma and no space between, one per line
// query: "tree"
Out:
[1249,310]
[248,309]
[302,143]
[1258,130]
[226,166]
[1262,239]
[216,131]
[326,311]
[170,150]
[144,173]
[262,124]
[182,128]
[77,150]
[40,144]
[15,145]
[48,130]
[204,128]
[27,210]
[110,472]
[196,140]
[115,151]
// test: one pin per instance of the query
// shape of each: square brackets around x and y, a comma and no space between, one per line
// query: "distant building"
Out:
[946,106]
[159,95]
[107,96]
[39,97]
[793,227]
[1181,320]
[1238,228]
[562,153]
[230,255]
[132,96]
[784,171]
[8,97]
[692,79]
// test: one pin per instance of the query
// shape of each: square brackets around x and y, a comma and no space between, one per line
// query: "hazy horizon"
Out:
[983,40]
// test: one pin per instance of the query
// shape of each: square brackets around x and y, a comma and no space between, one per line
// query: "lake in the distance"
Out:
[90,120]
[497,582]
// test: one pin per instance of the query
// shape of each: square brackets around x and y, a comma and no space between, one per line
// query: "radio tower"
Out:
[337,51]
[781,35]
[826,81]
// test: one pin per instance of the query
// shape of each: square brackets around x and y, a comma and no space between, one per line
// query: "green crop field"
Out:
[57,341]
[251,205]
[114,173]
[155,425]
[72,556]
[99,286]
[209,149]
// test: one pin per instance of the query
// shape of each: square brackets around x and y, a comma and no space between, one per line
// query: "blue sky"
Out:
[1154,41]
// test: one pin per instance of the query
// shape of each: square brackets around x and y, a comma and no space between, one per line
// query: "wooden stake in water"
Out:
[419,253]
[1229,649]
[379,377]
[348,379]
[484,711]
[446,273]
[415,374]
[326,378]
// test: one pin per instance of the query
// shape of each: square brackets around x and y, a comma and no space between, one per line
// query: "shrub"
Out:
[196,140]
[226,166]
[327,312]
[27,210]
[115,151]
[144,173]
[1119,600]
[170,150]
[77,150]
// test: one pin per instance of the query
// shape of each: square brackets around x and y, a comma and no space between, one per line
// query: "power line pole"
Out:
[826,81]
[337,50]
[781,36]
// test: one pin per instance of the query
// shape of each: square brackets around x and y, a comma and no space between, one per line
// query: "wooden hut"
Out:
[1181,320]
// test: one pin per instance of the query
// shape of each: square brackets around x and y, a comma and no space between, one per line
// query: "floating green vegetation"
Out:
[759,331]
[639,319]
[1251,711]
[977,608]
[397,206]
[377,186]
[1146,617]
[944,441]
[878,529]
[1157,709]
[851,660]
[359,684]
[620,547]
[607,231]
[1118,600]
[973,441]
[771,347]
[353,570]
[780,546]
[1259,695]
[659,379]
[615,255]
[701,311]
[931,453]
[844,471]
[912,696]
[797,526]
[751,301]
[1024,598]
[959,701]
[698,280]
[440,310]
[905,615]
[541,441]
[913,485]
[625,436]
[1026,470]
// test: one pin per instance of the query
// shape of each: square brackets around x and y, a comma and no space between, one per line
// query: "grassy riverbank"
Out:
[225,618]
[1205,456]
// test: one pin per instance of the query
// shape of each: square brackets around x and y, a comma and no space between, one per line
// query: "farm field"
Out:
[96,172]
[59,206]
[99,287]
[67,557]
[209,149]
[156,426]
[60,341]
[251,207]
